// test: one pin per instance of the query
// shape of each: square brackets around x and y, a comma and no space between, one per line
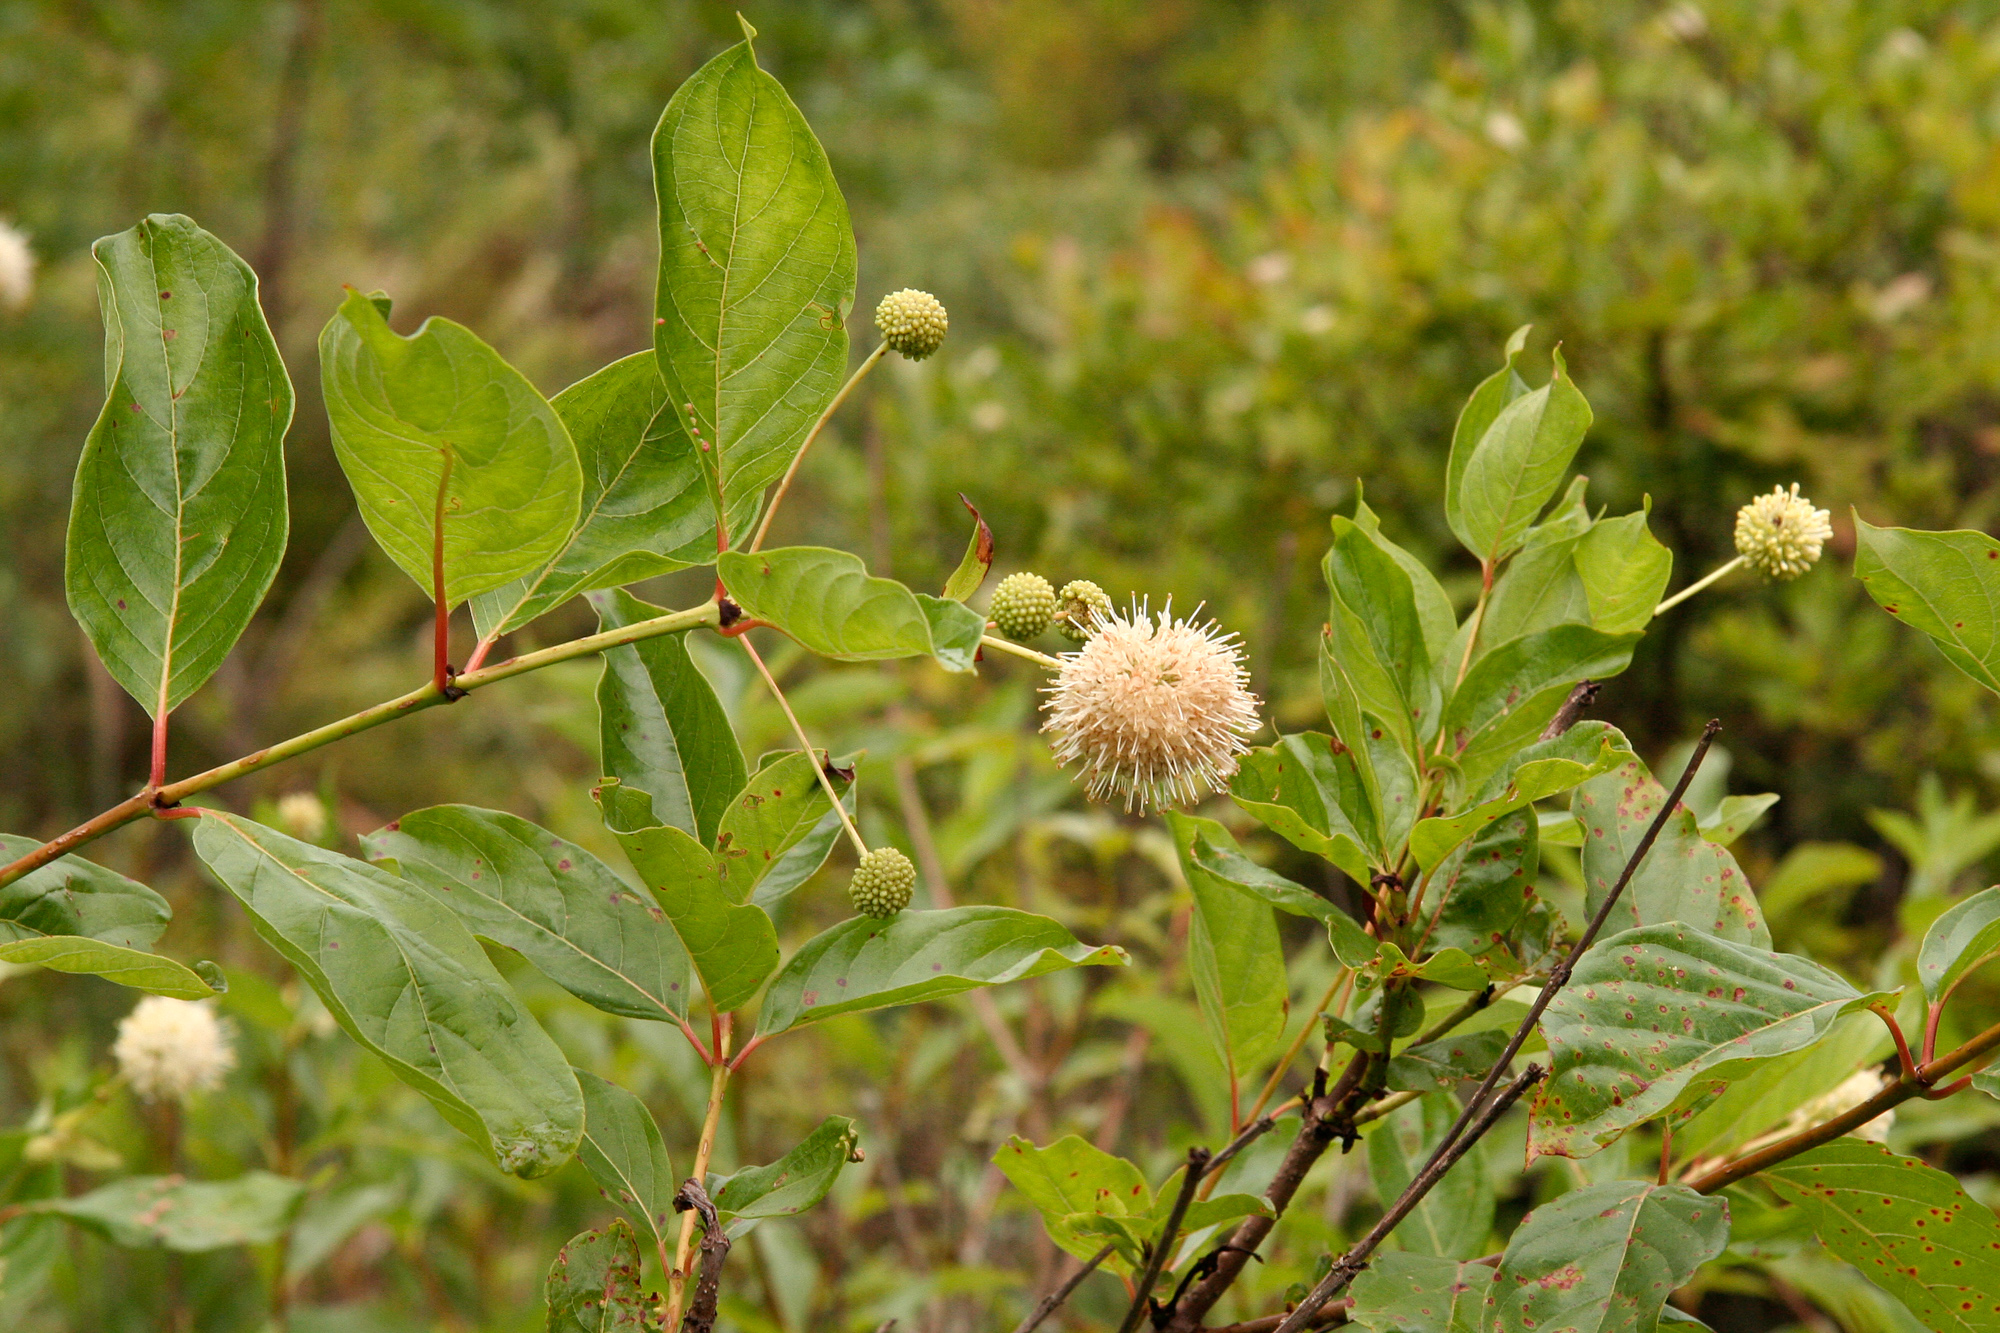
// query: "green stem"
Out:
[1695,587]
[1042,659]
[819,769]
[785,483]
[425,696]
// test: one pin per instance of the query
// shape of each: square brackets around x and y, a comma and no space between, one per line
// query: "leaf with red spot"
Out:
[1684,877]
[1420,1293]
[1604,1258]
[1908,1227]
[1943,583]
[793,1183]
[1959,941]
[593,1286]
[1071,1181]
[1657,1018]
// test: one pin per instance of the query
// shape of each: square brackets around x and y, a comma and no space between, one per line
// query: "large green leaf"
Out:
[827,600]
[1514,688]
[1659,1017]
[1907,1226]
[756,270]
[1946,584]
[1308,789]
[915,956]
[178,520]
[1377,633]
[1433,604]
[733,943]
[1964,937]
[72,896]
[796,1181]
[644,507]
[406,979]
[1475,419]
[180,1214]
[1070,1181]
[1453,1220]
[1532,774]
[1604,1259]
[624,1153]
[1420,1293]
[1485,890]
[128,967]
[436,429]
[1624,570]
[1684,878]
[593,1286]
[777,808]
[661,729]
[1234,956]
[1516,465]
[549,900]
[1208,845]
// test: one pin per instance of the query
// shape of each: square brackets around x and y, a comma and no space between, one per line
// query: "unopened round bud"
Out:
[912,322]
[1079,606]
[1022,605]
[882,883]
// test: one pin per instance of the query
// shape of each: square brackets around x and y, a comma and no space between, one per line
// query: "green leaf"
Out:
[1540,587]
[915,956]
[1420,1293]
[1604,1258]
[1659,1017]
[1454,1219]
[1475,419]
[128,967]
[733,944]
[1907,1226]
[803,860]
[1533,774]
[796,1181]
[72,896]
[593,1286]
[1433,605]
[1234,956]
[1069,1180]
[978,559]
[661,729]
[644,509]
[406,979]
[828,602]
[756,270]
[1210,846]
[1516,466]
[1964,937]
[1446,1062]
[178,520]
[624,1153]
[776,809]
[1624,571]
[1308,790]
[1357,733]
[1377,633]
[549,900]
[436,426]
[1488,886]
[1684,878]
[187,1215]
[1766,1096]
[1946,584]
[1736,816]
[1515,688]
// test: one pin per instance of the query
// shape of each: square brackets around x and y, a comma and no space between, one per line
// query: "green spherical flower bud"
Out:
[1022,605]
[882,883]
[1079,606]
[912,322]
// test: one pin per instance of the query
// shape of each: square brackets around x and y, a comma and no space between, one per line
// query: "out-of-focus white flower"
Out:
[1781,533]
[1504,128]
[172,1049]
[303,815]
[1857,1088]
[17,267]
[1153,709]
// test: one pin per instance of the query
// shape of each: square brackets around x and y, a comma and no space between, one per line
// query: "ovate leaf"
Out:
[549,900]
[1533,774]
[1658,1017]
[915,956]
[1492,397]
[1453,1220]
[437,430]
[187,1215]
[1907,1226]
[178,520]
[733,944]
[1235,957]
[624,1153]
[1377,633]
[1604,1258]
[128,967]
[661,729]
[1946,584]
[72,896]
[1486,888]
[793,1183]
[1964,937]
[1515,688]
[1209,846]
[1420,1293]
[1308,790]
[1070,1181]
[408,981]
[756,270]
[828,602]
[777,808]
[1624,570]
[593,1286]
[1516,466]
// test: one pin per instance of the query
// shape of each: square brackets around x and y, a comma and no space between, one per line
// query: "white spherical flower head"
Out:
[172,1049]
[1153,709]
[17,268]
[1781,533]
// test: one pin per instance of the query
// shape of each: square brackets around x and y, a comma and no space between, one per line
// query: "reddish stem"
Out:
[159,770]
[1939,1094]
[1931,1027]
[748,1047]
[1902,1046]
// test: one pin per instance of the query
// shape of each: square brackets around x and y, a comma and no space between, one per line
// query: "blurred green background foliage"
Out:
[1213,267]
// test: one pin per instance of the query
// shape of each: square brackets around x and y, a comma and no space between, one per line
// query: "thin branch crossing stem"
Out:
[819,769]
[785,483]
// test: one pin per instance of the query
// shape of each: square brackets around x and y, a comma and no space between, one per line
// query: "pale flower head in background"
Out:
[303,815]
[172,1049]
[17,267]
[1153,709]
